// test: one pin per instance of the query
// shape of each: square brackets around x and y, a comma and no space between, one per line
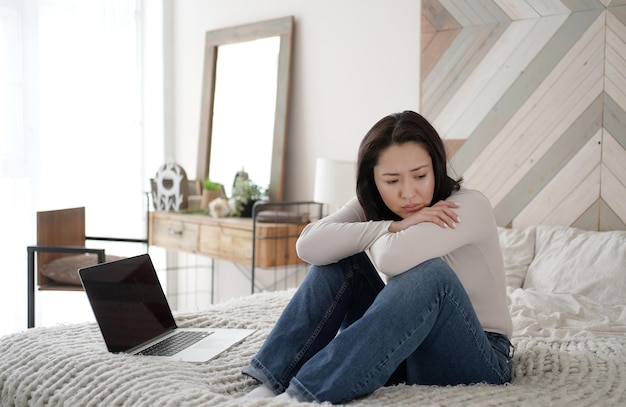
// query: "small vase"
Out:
[247,209]
[208,196]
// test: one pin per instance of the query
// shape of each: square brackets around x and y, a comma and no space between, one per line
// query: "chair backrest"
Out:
[64,227]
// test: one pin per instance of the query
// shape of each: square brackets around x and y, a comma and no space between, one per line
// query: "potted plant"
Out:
[210,191]
[245,194]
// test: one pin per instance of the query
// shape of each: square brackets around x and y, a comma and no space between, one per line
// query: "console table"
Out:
[272,243]
[226,238]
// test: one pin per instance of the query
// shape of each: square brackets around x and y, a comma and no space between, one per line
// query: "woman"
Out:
[442,318]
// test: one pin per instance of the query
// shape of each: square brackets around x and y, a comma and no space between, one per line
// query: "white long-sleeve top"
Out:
[471,249]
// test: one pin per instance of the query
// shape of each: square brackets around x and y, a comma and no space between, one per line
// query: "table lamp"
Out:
[335,182]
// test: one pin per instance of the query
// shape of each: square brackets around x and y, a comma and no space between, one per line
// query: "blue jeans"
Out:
[345,334]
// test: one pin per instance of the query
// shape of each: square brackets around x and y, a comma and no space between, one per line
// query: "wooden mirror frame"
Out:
[281,27]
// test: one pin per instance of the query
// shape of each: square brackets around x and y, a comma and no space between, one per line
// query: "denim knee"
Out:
[425,277]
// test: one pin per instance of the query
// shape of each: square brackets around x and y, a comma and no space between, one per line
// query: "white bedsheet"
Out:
[552,315]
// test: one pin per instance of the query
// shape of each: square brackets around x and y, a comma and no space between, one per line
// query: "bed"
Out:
[566,289]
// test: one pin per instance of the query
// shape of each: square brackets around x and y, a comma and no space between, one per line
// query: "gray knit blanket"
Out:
[70,366]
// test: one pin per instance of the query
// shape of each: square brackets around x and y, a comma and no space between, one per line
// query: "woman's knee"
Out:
[341,272]
[357,263]
[427,275]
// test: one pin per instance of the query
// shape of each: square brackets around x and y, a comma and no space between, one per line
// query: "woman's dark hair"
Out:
[398,129]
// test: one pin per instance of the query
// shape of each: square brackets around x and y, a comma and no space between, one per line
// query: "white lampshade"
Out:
[335,181]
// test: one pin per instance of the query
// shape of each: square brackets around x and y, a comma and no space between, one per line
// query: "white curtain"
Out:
[71,127]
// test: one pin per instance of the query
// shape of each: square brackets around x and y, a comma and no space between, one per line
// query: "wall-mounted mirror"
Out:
[243,121]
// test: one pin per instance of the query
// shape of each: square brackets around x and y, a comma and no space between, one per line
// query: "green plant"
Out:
[245,192]
[210,185]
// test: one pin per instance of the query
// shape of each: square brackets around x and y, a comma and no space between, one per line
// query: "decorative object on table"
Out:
[211,191]
[194,194]
[245,194]
[219,208]
[241,175]
[335,181]
[170,188]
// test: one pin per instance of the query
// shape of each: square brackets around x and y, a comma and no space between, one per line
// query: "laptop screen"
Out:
[127,301]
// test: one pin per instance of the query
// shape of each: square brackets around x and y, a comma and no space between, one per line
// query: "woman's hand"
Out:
[441,214]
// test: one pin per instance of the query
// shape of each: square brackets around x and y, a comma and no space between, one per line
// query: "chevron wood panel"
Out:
[537,89]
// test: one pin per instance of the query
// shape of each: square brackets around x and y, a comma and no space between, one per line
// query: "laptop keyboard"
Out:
[175,343]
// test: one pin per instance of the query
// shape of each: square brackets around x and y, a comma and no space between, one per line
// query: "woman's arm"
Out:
[442,213]
[339,235]
[395,253]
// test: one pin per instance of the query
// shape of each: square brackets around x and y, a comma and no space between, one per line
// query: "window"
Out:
[71,125]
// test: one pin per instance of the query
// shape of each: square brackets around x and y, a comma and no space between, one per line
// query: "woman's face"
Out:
[405,178]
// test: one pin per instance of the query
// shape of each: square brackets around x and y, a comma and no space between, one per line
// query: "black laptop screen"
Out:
[128,302]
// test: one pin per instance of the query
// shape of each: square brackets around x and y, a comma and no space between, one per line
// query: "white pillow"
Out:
[518,250]
[569,260]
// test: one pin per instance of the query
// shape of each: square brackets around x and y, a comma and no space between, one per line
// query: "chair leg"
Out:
[31,288]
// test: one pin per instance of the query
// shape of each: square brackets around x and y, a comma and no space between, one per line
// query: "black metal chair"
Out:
[60,251]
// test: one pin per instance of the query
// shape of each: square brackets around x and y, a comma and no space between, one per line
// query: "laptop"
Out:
[134,316]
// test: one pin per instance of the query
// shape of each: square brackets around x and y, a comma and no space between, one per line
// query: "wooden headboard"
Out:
[537,95]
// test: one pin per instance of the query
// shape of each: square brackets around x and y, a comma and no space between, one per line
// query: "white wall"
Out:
[354,62]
